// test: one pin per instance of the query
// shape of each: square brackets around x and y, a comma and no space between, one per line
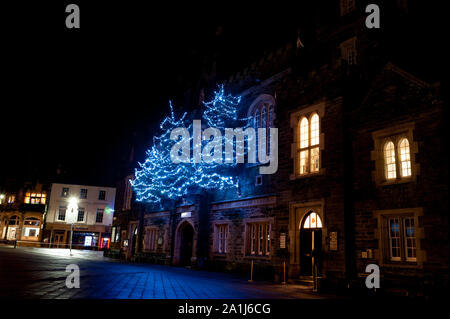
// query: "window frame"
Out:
[102,210]
[58,214]
[84,215]
[221,243]
[296,148]
[382,233]
[102,191]
[258,234]
[395,135]
[64,193]
[85,193]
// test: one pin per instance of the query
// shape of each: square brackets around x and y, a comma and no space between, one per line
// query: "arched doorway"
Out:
[310,244]
[186,242]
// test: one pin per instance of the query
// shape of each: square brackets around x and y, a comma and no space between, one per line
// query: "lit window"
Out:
[405,159]
[309,151]
[304,133]
[314,130]
[34,198]
[312,221]
[389,158]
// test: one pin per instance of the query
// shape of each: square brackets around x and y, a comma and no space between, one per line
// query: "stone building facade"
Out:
[361,174]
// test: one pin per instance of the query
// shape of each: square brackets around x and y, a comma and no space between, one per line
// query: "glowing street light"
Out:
[72,210]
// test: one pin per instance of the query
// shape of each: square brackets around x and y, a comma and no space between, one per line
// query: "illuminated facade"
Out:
[358,181]
[89,208]
[22,214]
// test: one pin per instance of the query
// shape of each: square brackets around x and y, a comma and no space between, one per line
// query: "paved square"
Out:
[40,273]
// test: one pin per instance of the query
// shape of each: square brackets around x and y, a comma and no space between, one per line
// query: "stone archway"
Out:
[185,244]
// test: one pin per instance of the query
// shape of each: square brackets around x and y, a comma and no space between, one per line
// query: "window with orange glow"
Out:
[308,147]
[35,198]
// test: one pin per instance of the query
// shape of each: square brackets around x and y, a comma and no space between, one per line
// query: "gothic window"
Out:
[393,155]
[262,112]
[405,159]
[389,160]
[308,148]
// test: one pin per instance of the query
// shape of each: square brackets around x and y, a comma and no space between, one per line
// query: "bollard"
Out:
[251,272]
[284,273]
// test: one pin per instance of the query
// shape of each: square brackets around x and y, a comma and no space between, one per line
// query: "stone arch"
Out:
[181,244]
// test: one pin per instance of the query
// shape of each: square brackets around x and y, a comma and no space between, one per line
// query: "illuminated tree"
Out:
[159,178]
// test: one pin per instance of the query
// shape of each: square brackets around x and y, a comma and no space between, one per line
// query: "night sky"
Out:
[75,98]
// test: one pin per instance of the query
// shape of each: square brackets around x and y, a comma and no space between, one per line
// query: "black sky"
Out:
[73,97]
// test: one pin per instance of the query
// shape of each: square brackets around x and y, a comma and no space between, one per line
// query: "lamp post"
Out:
[73,209]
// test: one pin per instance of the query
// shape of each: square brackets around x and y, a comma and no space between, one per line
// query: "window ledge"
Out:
[321,172]
[397,181]
[401,264]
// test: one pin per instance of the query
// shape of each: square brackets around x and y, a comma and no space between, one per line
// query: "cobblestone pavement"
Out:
[40,273]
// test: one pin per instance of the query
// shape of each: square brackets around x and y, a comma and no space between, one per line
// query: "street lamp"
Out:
[73,209]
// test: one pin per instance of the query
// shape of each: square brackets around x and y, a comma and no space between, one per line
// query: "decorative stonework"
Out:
[264,201]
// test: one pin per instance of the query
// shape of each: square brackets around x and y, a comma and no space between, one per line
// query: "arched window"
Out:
[14,220]
[314,129]
[405,159]
[309,153]
[31,221]
[304,132]
[389,159]
[261,110]
[312,221]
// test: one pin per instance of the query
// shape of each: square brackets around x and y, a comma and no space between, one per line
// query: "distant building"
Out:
[22,212]
[89,208]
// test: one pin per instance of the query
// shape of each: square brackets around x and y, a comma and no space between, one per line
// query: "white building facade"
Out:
[88,209]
